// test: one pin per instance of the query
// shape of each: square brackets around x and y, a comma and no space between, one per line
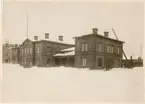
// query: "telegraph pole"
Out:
[27,24]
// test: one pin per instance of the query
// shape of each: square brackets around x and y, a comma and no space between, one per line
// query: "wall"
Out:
[93,53]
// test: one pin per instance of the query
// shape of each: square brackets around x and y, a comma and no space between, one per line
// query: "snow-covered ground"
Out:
[71,84]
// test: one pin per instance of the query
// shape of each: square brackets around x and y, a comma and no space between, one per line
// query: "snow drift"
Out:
[62,84]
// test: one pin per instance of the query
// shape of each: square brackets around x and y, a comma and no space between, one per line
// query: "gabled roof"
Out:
[98,35]
[25,41]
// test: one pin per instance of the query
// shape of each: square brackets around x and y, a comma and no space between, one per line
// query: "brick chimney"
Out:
[46,35]
[35,37]
[60,38]
[106,34]
[95,31]
[16,45]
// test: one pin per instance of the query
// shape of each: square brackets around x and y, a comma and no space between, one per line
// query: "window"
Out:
[57,49]
[108,47]
[100,62]
[100,47]
[22,51]
[38,49]
[30,50]
[84,62]
[84,47]
[118,50]
[25,51]
[112,49]
[48,61]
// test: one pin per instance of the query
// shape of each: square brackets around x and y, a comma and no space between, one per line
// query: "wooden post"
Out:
[67,61]
[60,61]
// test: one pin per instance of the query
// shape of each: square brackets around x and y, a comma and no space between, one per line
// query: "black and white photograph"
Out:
[72,51]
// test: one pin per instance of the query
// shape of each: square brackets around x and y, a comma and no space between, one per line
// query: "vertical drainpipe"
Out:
[95,32]
[94,52]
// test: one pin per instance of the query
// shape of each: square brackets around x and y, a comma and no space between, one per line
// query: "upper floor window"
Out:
[57,49]
[6,53]
[84,47]
[25,50]
[22,51]
[30,50]
[110,49]
[118,50]
[38,49]
[100,47]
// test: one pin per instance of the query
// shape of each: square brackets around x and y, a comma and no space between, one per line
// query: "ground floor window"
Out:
[99,62]
[48,61]
[37,62]
[84,62]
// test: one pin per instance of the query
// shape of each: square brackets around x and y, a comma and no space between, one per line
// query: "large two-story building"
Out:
[96,51]
[41,52]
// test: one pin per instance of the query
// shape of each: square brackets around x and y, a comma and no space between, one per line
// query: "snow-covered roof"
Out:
[65,54]
[69,49]
[54,40]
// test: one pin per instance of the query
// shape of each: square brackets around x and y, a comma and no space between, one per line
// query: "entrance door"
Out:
[100,62]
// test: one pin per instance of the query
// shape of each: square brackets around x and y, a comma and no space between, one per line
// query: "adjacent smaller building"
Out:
[132,62]
[65,57]
[7,53]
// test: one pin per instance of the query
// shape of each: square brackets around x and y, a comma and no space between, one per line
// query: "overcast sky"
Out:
[74,19]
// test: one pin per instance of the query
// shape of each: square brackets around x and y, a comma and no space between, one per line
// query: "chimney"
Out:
[106,34]
[35,37]
[60,38]
[95,31]
[46,35]
[16,45]
[130,57]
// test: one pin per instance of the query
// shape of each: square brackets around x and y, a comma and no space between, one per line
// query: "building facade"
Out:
[7,53]
[97,52]
[26,53]
[40,52]
[45,50]
[15,54]
[65,57]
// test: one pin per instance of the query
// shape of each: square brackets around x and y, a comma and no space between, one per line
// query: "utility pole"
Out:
[27,24]
[141,50]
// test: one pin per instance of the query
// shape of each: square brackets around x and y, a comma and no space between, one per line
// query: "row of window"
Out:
[6,53]
[27,62]
[99,62]
[27,50]
[100,48]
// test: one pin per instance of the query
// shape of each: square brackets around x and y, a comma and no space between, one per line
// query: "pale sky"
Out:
[74,19]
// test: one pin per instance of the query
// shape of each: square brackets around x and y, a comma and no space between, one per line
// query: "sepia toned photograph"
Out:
[72,51]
